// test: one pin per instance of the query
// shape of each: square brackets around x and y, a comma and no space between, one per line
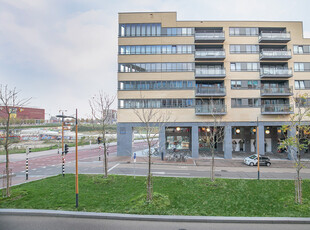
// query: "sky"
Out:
[60,53]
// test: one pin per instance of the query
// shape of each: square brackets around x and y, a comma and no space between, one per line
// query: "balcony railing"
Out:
[272,72]
[207,72]
[275,54]
[274,37]
[210,91]
[277,91]
[210,110]
[277,109]
[210,54]
[210,36]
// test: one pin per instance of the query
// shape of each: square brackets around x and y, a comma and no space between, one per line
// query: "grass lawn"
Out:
[172,196]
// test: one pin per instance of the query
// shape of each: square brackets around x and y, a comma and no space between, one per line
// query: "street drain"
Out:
[217,174]
[223,170]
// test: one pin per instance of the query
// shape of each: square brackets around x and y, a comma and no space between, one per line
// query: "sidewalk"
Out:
[165,218]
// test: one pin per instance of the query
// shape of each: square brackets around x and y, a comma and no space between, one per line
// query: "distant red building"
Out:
[24,113]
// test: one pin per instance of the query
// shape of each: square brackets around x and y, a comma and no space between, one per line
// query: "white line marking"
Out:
[161,173]
[44,167]
[113,167]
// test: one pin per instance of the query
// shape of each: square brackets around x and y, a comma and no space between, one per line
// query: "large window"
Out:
[154,103]
[244,49]
[151,30]
[155,85]
[244,102]
[157,49]
[244,66]
[302,66]
[178,138]
[156,67]
[243,31]
[299,84]
[302,49]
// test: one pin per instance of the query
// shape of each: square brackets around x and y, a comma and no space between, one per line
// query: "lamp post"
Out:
[76,156]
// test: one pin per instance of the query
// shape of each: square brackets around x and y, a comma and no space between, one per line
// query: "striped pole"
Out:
[27,152]
[63,165]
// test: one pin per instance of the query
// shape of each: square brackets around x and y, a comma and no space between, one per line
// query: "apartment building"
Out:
[245,72]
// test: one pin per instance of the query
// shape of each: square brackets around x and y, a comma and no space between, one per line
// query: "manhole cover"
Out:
[223,170]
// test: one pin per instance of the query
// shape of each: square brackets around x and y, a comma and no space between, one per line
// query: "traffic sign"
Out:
[134,157]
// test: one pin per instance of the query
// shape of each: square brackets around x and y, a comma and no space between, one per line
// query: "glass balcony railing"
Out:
[208,72]
[210,36]
[210,54]
[277,91]
[277,109]
[274,72]
[274,37]
[210,91]
[275,54]
[210,109]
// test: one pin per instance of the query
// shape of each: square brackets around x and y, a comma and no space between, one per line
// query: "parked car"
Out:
[252,160]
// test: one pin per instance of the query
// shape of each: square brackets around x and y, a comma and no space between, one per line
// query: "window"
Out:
[244,66]
[252,84]
[245,102]
[156,67]
[156,49]
[235,84]
[299,84]
[243,31]
[301,49]
[302,66]
[244,49]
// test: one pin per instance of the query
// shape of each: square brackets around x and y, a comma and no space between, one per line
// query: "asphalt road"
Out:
[64,223]
[49,163]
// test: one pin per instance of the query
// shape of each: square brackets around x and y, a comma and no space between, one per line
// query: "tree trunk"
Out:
[105,156]
[298,187]
[149,177]
[212,165]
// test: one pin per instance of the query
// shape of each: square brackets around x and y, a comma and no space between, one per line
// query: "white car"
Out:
[252,160]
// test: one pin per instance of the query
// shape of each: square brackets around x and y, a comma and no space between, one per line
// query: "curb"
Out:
[118,216]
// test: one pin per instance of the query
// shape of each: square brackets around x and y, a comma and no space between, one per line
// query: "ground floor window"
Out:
[178,138]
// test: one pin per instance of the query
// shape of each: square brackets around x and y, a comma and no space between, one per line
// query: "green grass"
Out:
[172,196]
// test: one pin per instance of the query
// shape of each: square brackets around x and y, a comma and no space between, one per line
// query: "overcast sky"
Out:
[61,52]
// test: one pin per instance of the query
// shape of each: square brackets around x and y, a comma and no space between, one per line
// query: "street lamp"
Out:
[76,155]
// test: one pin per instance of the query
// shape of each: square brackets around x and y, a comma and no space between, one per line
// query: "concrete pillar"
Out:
[274,139]
[195,142]
[261,130]
[247,138]
[162,140]
[124,139]
[227,142]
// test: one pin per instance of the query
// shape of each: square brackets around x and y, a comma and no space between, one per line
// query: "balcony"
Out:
[210,110]
[275,73]
[277,91]
[210,91]
[210,37]
[275,54]
[210,54]
[274,109]
[209,73]
[274,37]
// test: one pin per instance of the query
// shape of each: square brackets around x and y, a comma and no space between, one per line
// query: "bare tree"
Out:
[214,134]
[9,104]
[153,120]
[101,111]
[298,142]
